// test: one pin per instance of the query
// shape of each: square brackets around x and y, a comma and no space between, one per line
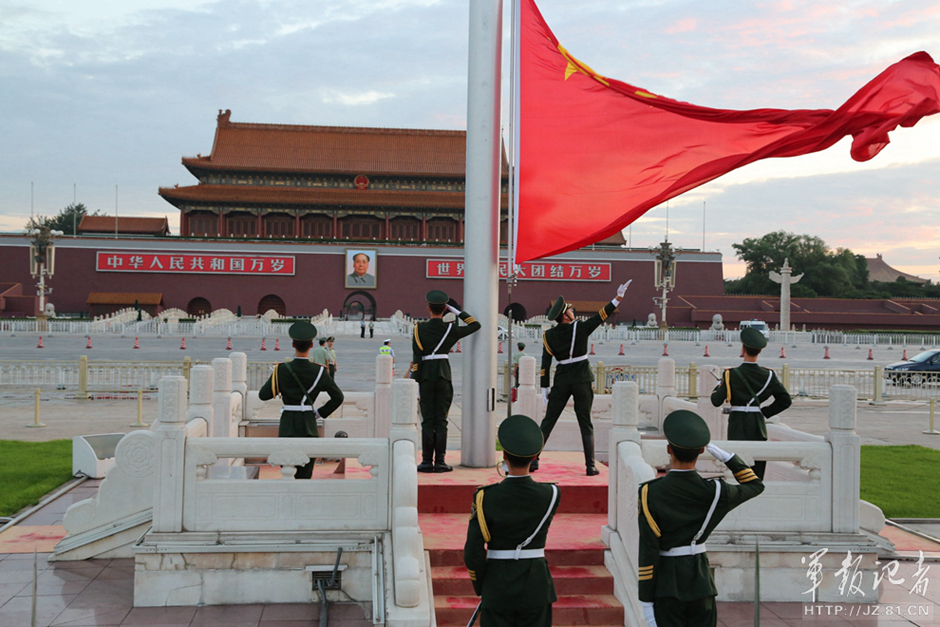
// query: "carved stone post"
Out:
[240,379]
[383,396]
[200,393]
[528,401]
[404,411]
[221,426]
[170,444]
[665,386]
[846,459]
[626,410]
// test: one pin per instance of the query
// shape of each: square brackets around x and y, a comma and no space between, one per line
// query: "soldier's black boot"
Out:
[427,452]
[440,450]
[587,440]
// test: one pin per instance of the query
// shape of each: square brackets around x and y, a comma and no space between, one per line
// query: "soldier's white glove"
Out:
[719,454]
[621,291]
[648,613]
[317,413]
[453,310]
[544,397]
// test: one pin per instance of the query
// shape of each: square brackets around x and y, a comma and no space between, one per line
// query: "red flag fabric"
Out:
[595,154]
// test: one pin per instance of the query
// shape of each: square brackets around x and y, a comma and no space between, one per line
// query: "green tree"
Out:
[838,273]
[66,220]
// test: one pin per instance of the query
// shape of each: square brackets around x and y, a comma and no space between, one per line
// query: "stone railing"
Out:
[282,530]
[818,508]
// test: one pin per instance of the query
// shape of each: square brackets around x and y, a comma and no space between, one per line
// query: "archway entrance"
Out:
[359,305]
[198,306]
[518,312]
[272,301]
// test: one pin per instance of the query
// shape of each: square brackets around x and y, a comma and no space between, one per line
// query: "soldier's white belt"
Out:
[572,360]
[515,554]
[679,551]
[297,408]
[427,357]
[751,409]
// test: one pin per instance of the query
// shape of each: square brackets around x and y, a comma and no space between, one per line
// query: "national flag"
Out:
[595,154]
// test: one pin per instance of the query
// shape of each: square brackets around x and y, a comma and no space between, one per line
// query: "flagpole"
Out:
[483,195]
[512,233]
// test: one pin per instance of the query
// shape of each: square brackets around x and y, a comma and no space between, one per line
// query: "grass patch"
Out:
[30,470]
[902,480]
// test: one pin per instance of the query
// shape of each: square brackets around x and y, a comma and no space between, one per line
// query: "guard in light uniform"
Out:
[430,367]
[512,519]
[745,388]
[677,513]
[298,382]
[568,343]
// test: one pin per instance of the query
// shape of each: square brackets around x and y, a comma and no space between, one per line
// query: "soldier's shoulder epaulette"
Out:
[485,487]
[651,481]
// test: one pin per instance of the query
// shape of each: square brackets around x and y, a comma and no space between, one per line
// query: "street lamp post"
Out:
[665,276]
[42,262]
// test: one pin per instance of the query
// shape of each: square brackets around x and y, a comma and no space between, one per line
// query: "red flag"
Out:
[595,154]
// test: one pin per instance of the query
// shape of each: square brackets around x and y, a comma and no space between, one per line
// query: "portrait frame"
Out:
[351,279]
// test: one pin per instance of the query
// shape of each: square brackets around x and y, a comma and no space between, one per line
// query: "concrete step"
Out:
[454,581]
[589,609]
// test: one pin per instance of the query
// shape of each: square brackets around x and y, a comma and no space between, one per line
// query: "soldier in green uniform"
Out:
[676,514]
[745,388]
[321,354]
[298,382]
[430,367]
[331,353]
[568,343]
[512,518]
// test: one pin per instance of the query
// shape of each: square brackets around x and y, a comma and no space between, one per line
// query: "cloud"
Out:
[333,96]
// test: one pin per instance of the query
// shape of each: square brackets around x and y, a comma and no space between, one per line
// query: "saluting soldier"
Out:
[430,367]
[568,344]
[677,513]
[745,388]
[298,382]
[512,519]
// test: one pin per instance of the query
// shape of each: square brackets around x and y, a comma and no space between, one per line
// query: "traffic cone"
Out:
[277,344]
[500,348]
[665,350]
[871,357]
[904,356]
[182,343]
[592,350]
[136,342]
[458,347]
[228,346]
[826,356]
[621,350]
[707,354]
[263,347]
[40,343]
[783,352]
[88,343]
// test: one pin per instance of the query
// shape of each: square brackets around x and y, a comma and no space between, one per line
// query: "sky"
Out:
[100,100]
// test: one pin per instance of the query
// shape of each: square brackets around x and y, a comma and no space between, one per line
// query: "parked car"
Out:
[760,325]
[920,368]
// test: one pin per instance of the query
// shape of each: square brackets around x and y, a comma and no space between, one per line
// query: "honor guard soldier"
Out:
[298,382]
[677,513]
[331,353]
[568,343]
[430,367]
[745,388]
[512,519]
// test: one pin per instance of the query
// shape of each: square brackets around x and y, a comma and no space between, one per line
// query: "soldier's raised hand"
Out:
[622,290]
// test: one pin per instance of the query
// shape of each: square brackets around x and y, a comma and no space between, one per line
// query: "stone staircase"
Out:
[574,549]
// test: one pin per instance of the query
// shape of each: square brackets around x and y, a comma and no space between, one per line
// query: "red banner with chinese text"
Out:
[537,271]
[194,263]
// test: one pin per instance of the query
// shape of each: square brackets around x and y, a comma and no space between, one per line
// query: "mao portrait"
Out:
[360,268]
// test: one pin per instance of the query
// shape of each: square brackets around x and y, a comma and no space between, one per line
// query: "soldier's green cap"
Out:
[686,429]
[437,297]
[520,436]
[752,338]
[302,331]
[558,308]
[521,345]
[331,339]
